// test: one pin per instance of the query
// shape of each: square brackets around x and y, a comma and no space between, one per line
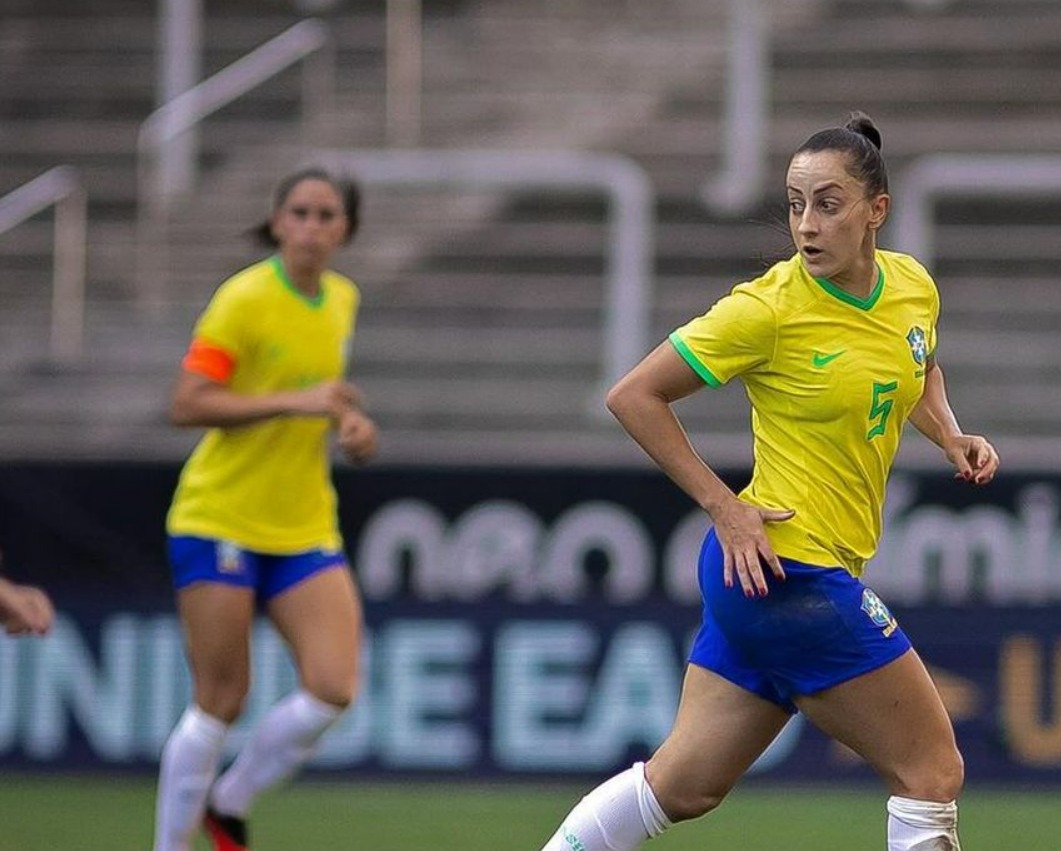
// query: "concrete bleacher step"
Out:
[970,88]
[929,38]
[904,135]
[108,136]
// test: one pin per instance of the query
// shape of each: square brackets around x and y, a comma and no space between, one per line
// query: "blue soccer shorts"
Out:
[195,559]
[816,629]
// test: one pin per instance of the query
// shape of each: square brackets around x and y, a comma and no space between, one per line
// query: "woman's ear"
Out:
[878,210]
[272,228]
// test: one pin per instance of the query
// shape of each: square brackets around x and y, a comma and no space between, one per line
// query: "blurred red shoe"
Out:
[228,833]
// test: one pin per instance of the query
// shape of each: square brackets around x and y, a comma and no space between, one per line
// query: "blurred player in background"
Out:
[836,349]
[254,516]
[24,609]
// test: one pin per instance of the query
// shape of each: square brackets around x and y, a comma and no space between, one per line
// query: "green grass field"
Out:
[105,814]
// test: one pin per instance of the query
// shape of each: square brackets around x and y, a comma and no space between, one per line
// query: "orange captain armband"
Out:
[210,361]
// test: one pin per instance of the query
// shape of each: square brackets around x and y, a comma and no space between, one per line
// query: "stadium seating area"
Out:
[480,336]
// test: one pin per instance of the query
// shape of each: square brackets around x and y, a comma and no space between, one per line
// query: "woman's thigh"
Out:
[894,718]
[720,730]
[320,619]
[217,621]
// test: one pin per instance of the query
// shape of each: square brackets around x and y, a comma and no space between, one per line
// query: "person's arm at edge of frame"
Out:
[973,455]
[24,608]
[641,401]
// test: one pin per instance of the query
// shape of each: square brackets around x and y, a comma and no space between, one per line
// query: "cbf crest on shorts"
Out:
[874,606]
[918,347]
[229,557]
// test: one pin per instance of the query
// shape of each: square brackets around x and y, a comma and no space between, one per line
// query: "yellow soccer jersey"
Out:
[832,380]
[267,486]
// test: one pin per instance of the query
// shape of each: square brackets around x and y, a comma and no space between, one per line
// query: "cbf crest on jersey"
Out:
[874,606]
[918,346]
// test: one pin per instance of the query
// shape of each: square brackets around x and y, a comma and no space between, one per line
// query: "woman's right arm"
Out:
[641,401]
[200,401]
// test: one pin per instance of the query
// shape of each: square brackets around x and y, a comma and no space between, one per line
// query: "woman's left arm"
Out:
[974,457]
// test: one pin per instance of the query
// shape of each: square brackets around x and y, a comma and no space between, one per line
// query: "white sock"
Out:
[618,815]
[285,739]
[188,768]
[922,825]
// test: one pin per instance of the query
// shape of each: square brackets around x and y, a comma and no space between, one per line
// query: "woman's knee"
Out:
[686,804]
[682,798]
[941,780]
[224,704]
[222,696]
[335,687]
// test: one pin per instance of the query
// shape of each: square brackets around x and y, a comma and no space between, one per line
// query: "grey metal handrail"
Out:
[631,240]
[739,184]
[63,188]
[930,178]
[303,41]
[311,40]
[404,71]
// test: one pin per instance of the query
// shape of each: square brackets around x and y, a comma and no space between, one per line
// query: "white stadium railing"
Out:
[404,71]
[739,185]
[631,217]
[928,179]
[166,169]
[180,61]
[63,188]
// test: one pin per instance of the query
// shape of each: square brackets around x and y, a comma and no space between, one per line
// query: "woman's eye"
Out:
[299,212]
[795,206]
[327,215]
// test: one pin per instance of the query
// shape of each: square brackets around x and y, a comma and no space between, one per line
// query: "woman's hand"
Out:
[24,609]
[358,436]
[327,399]
[975,459]
[741,531]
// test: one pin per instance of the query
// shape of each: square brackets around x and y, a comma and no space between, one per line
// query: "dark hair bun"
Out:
[860,123]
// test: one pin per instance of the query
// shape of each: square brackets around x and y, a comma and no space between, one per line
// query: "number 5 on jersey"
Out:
[881,408]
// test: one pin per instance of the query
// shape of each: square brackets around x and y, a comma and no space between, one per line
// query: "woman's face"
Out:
[311,223]
[832,220]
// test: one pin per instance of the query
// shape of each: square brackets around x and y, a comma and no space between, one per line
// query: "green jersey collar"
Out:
[281,273]
[846,297]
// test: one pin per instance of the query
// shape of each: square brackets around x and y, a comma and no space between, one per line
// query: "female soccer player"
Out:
[836,349]
[254,516]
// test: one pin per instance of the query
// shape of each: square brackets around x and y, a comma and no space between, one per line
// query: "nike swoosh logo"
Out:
[820,360]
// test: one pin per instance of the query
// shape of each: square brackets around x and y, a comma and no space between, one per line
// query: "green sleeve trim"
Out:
[693,360]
